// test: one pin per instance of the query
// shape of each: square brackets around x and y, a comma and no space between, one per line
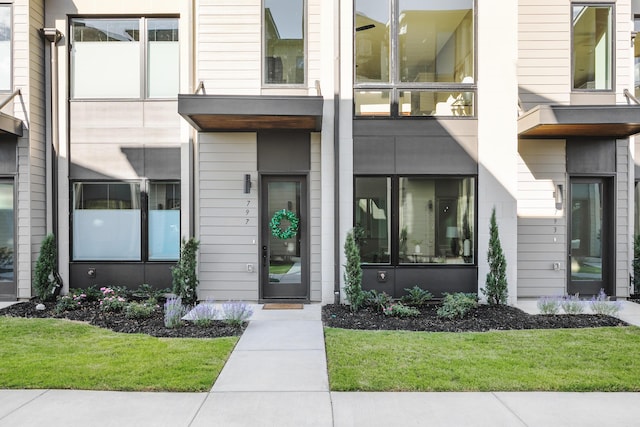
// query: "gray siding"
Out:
[624,229]
[541,228]
[315,196]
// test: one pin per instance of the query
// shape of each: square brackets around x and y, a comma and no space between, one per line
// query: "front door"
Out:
[590,234]
[284,241]
[7,233]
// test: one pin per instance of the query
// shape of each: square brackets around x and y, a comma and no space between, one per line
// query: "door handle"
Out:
[264,256]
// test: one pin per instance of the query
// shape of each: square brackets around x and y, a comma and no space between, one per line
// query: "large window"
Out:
[124,58]
[435,219]
[5,47]
[636,55]
[592,47]
[414,58]
[108,221]
[284,47]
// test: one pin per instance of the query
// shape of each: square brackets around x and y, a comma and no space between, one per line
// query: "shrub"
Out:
[636,264]
[92,293]
[548,305]
[174,311]
[571,304]
[400,310]
[204,314]
[353,273]
[496,287]
[46,281]
[185,277]
[139,310]
[457,305]
[235,313]
[378,301]
[601,304]
[416,297]
[111,301]
[69,302]
[146,293]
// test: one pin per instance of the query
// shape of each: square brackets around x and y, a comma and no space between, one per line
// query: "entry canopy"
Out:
[10,125]
[224,113]
[564,121]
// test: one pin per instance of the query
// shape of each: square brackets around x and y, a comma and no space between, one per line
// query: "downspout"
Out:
[53,36]
[336,156]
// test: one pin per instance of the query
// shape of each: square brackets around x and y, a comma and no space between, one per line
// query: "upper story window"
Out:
[414,58]
[5,47]
[636,60]
[284,42]
[126,58]
[592,47]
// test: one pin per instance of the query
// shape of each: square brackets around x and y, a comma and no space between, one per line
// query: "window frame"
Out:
[143,40]
[9,6]
[263,49]
[394,218]
[145,187]
[395,85]
[612,65]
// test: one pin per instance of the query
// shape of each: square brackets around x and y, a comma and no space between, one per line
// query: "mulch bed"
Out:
[118,322]
[483,318]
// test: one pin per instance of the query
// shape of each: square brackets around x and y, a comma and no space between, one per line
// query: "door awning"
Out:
[10,125]
[565,121]
[225,113]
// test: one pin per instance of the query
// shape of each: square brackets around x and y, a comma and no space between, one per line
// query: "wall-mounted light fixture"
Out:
[247,183]
[559,196]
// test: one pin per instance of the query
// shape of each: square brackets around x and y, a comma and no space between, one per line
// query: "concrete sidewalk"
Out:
[276,376]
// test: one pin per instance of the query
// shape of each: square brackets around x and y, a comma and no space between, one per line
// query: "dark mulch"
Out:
[118,322]
[483,318]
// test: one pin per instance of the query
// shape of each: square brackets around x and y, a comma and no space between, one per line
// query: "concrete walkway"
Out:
[276,376]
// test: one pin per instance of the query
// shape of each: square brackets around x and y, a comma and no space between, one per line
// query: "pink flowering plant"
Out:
[111,301]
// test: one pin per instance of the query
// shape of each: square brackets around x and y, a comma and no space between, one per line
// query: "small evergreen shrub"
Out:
[185,277]
[548,305]
[457,305]
[45,278]
[416,297]
[400,310]
[601,304]
[174,311]
[571,304]
[235,313]
[353,273]
[496,287]
[378,301]
[139,310]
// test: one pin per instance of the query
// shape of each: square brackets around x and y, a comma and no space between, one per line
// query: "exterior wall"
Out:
[28,57]
[624,227]
[542,229]
[316,194]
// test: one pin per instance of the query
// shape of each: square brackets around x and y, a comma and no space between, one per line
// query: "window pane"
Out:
[5,47]
[164,221]
[636,55]
[372,102]
[372,196]
[106,221]
[432,103]
[284,41]
[372,41]
[592,47]
[105,58]
[436,220]
[6,232]
[435,40]
[163,58]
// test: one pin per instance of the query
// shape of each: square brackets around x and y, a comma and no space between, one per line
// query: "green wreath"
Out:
[288,232]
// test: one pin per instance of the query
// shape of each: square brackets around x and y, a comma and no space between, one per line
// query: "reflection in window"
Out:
[5,47]
[592,47]
[7,228]
[372,219]
[436,220]
[106,59]
[284,30]
[636,55]
[164,221]
[436,103]
[106,221]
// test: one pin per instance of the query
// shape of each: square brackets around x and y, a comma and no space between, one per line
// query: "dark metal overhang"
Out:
[10,125]
[568,121]
[226,113]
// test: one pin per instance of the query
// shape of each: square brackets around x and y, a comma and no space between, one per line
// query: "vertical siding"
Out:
[227,241]
[315,192]
[624,203]
[541,228]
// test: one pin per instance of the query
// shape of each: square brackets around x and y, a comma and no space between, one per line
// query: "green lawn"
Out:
[594,359]
[52,353]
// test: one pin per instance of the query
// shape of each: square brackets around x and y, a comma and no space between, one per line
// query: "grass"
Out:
[280,268]
[59,354]
[594,359]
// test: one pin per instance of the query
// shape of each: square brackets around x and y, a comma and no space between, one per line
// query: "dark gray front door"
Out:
[7,233]
[590,233]
[284,241]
